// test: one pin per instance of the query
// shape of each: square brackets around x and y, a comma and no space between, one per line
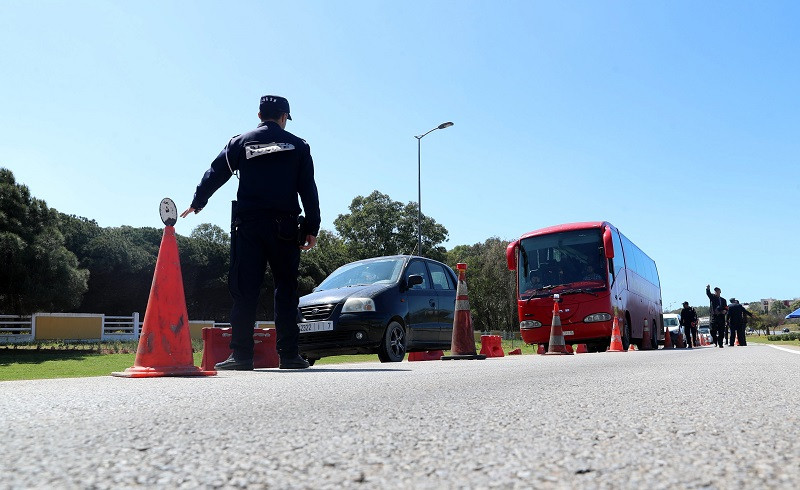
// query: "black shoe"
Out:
[232,364]
[293,362]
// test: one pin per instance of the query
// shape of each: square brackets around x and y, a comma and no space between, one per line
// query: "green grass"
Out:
[762,339]
[59,360]
[20,364]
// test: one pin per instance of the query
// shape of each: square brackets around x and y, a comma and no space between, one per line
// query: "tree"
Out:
[378,226]
[315,265]
[492,287]
[39,273]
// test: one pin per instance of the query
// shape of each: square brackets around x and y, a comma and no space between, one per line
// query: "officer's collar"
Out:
[267,123]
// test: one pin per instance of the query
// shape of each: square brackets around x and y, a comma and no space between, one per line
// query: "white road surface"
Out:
[701,418]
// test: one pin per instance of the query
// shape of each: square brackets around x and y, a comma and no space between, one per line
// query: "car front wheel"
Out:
[393,345]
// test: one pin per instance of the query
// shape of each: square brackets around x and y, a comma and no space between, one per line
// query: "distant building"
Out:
[765,303]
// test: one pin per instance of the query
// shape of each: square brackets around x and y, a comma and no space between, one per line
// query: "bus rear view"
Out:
[585,263]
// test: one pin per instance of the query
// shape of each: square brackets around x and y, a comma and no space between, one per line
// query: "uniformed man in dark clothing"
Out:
[718,309]
[273,167]
[689,323]
[737,321]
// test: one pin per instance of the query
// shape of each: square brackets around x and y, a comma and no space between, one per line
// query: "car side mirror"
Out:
[608,244]
[413,280]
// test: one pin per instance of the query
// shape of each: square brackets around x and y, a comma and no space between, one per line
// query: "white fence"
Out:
[121,327]
[18,329]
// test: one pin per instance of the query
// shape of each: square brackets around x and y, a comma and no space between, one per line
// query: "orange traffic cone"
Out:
[515,352]
[581,349]
[462,345]
[540,349]
[681,341]
[165,345]
[631,347]
[557,346]
[646,336]
[616,338]
[667,339]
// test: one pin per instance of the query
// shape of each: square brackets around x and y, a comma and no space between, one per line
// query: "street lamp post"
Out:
[419,182]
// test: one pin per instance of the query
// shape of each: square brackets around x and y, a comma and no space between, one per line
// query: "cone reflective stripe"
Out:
[165,345]
[556,345]
[462,345]
[616,340]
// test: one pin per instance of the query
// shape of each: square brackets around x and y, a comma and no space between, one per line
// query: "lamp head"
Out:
[445,125]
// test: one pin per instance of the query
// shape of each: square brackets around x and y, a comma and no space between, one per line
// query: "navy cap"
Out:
[274,103]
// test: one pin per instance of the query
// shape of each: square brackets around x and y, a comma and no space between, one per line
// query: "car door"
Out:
[422,301]
[445,287]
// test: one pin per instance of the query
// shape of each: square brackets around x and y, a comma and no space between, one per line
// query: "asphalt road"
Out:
[705,418]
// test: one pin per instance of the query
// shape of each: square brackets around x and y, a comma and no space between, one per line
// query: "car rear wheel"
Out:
[393,345]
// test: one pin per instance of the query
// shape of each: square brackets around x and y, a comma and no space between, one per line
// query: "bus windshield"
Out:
[560,262]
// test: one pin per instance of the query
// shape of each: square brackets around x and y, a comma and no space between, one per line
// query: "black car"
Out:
[385,305]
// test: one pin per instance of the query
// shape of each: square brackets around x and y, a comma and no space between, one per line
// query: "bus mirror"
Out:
[608,244]
[511,255]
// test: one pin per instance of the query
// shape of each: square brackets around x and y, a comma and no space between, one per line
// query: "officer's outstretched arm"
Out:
[189,211]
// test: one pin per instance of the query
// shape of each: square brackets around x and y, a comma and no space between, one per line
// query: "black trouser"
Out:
[258,242]
[688,338]
[737,332]
[718,329]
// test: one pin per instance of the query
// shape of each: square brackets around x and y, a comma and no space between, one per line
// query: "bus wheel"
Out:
[626,335]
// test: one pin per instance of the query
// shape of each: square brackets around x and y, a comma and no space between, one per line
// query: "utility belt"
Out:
[287,226]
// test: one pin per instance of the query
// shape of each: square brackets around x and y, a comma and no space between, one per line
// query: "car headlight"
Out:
[355,305]
[525,324]
[597,317]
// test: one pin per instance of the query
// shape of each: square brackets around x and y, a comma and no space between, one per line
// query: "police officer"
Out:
[718,309]
[689,323]
[273,167]
[737,319]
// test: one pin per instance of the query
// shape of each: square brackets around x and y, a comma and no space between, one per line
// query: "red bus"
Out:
[597,272]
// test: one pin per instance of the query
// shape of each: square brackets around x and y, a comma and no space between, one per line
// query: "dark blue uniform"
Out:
[274,167]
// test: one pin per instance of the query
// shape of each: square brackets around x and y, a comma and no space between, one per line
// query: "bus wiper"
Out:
[537,294]
[579,290]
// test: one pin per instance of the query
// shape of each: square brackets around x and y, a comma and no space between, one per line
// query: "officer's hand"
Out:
[311,240]
[189,211]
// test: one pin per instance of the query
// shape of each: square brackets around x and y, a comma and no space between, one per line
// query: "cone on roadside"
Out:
[646,336]
[581,349]
[667,339]
[616,338]
[462,345]
[165,345]
[540,349]
[681,341]
[631,347]
[515,352]
[556,346]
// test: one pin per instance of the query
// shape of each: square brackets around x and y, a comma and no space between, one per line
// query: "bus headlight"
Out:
[597,317]
[355,305]
[526,324]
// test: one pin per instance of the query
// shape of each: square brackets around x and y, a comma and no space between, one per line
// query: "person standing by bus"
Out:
[718,309]
[689,324]
[737,320]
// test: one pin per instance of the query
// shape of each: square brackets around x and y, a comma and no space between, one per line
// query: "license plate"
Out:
[568,332]
[309,327]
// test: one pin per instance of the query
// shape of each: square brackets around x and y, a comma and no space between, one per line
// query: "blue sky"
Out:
[677,121]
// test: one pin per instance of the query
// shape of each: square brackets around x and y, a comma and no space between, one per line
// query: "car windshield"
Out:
[671,322]
[363,273]
[571,259]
